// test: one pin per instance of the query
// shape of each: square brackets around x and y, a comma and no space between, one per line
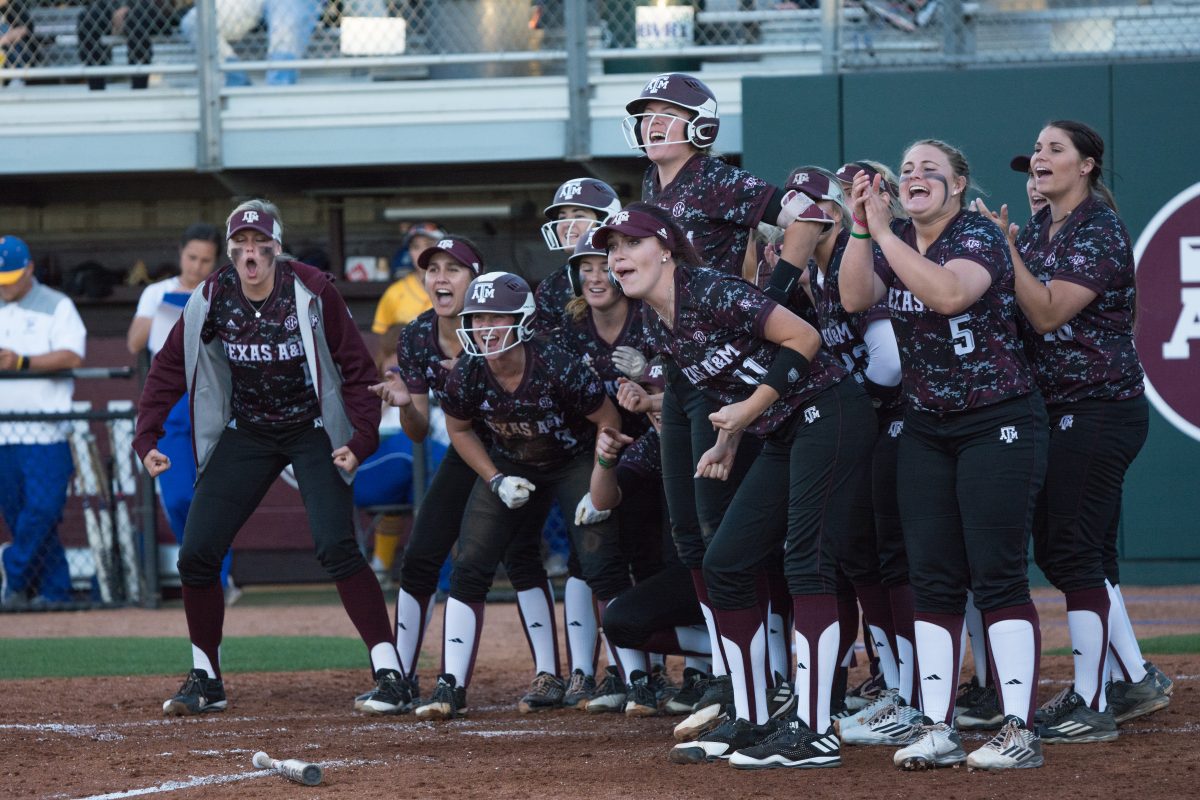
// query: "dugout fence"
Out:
[101,550]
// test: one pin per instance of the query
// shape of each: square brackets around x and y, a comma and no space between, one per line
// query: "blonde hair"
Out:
[958,163]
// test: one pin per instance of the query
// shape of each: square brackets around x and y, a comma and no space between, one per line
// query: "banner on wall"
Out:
[1167,332]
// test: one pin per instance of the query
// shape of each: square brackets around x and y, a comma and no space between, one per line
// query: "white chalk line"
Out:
[214,780]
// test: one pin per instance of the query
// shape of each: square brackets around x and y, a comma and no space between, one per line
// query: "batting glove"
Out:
[512,491]
[631,363]
[586,513]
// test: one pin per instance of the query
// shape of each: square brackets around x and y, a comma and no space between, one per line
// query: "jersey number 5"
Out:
[964,340]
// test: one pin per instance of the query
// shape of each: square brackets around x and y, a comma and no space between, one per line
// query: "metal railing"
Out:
[94,554]
[280,42]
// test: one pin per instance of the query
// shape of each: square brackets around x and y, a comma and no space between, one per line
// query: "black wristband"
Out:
[783,281]
[495,481]
[23,363]
[788,367]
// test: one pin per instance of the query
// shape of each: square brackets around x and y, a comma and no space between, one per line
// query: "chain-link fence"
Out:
[77,517]
[278,41]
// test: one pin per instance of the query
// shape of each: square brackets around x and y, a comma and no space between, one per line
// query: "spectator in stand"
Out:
[40,331]
[159,307]
[406,299]
[290,26]
[18,47]
[139,20]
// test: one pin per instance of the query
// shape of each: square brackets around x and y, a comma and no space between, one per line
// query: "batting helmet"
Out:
[580,193]
[678,90]
[497,293]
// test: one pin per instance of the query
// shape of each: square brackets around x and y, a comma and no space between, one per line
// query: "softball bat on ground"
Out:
[293,768]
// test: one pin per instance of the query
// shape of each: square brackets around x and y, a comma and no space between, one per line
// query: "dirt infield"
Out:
[106,737]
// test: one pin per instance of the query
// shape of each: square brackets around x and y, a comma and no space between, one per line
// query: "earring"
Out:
[664,258]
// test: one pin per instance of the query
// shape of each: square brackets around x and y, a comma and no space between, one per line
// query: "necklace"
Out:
[257,306]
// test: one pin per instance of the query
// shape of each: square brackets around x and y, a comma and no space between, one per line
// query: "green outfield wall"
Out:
[1150,119]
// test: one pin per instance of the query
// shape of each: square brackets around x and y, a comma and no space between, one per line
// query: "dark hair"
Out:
[958,163]
[201,231]
[683,252]
[1090,145]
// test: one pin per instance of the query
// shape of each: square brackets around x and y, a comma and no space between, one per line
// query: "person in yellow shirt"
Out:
[406,299]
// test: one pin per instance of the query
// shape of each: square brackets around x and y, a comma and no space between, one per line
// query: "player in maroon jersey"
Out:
[542,407]
[763,367]
[278,374]
[973,454]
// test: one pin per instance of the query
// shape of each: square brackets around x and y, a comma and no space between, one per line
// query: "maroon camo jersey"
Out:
[271,384]
[422,363]
[644,457]
[972,359]
[544,421]
[717,342]
[551,298]
[1092,356]
[716,204]
[580,337]
[842,331]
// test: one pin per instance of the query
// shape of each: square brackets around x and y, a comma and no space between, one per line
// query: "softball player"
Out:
[541,405]
[278,374]
[872,555]
[602,328]
[973,455]
[764,367]
[1075,285]
[425,353]
[579,206]
[674,121]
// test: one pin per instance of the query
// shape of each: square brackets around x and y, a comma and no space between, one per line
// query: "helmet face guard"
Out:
[573,231]
[578,193]
[586,247]
[497,293]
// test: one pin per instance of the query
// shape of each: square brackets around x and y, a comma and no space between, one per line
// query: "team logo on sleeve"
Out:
[811,415]
[1008,434]
[698,337]
[1167,335]
[1066,422]
[896,428]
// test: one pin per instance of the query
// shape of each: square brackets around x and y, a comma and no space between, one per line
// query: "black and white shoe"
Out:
[781,700]
[984,715]
[1069,720]
[792,745]
[391,695]
[545,691]
[719,743]
[199,694]
[640,698]
[610,694]
[684,701]
[447,701]
[579,690]
[1013,747]
[716,695]
[1132,700]
[865,693]
[660,681]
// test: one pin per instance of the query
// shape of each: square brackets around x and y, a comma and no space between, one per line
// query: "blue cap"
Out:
[14,257]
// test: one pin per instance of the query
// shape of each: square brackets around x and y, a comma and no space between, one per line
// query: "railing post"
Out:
[578,144]
[831,36]
[208,73]
[953,32]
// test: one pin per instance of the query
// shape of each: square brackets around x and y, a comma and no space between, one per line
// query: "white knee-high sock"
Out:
[718,658]
[460,638]
[1014,654]
[939,643]
[1127,663]
[777,649]
[694,639]
[538,619]
[383,656]
[412,619]
[579,617]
